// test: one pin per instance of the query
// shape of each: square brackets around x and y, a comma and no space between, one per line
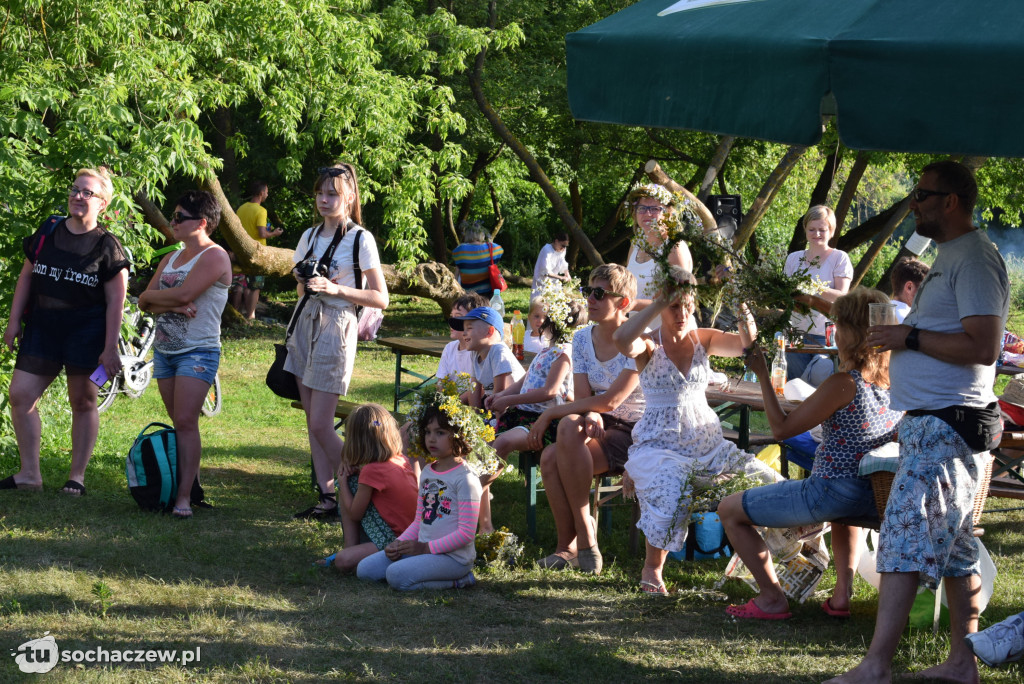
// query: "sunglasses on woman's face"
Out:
[598,292]
[333,171]
[178,217]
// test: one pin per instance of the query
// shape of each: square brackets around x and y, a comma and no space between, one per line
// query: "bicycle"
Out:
[136,372]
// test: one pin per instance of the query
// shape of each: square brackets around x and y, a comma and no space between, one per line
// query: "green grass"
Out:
[237,582]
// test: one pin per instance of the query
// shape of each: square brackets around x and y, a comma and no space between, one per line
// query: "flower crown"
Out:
[555,297]
[652,190]
[466,421]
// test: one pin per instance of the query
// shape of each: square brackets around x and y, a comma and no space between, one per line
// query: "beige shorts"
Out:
[322,348]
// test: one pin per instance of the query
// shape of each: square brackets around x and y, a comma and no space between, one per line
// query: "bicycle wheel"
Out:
[108,393]
[212,403]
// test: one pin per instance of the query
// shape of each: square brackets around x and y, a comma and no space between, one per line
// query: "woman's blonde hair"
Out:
[341,182]
[101,174]
[820,211]
[850,313]
[371,436]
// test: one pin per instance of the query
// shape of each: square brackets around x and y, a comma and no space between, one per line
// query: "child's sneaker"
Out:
[464,583]
[1001,643]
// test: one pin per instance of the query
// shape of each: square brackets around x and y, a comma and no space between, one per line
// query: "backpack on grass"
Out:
[152,469]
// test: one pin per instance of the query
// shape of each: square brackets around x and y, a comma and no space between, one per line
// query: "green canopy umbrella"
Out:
[938,76]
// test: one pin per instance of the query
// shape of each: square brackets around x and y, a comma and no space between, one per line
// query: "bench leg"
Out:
[528,462]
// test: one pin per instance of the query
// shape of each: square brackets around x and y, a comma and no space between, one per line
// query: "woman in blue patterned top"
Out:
[852,407]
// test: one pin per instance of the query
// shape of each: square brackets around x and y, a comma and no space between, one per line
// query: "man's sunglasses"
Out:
[599,292]
[920,195]
[333,171]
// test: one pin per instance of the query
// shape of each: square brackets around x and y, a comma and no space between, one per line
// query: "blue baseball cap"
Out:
[485,314]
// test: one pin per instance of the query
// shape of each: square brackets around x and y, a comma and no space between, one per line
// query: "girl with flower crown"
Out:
[649,204]
[548,380]
[437,550]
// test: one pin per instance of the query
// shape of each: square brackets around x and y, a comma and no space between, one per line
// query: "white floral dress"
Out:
[678,437]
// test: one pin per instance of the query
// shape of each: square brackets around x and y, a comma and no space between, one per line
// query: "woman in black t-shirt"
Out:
[70,297]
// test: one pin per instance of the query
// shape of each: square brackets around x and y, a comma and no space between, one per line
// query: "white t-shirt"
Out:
[601,374]
[902,309]
[549,261]
[499,360]
[836,265]
[453,361]
[340,269]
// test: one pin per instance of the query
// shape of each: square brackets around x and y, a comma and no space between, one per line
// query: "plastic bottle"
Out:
[497,304]
[779,365]
[518,334]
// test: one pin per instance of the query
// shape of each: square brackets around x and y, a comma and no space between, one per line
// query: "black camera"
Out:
[310,268]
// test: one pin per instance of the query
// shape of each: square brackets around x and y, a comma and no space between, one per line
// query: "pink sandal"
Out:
[750,611]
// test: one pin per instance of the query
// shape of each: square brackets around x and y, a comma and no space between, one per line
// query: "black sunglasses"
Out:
[332,171]
[456,324]
[178,217]
[599,292]
[920,194]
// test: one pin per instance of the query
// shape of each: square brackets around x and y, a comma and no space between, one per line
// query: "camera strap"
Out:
[325,259]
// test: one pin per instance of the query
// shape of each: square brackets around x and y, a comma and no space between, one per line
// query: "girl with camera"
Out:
[322,348]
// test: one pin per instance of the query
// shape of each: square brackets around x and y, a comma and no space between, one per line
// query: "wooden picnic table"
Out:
[740,399]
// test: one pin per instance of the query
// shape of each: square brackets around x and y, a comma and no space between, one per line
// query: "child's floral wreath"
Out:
[470,423]
[763,282]
[555,297]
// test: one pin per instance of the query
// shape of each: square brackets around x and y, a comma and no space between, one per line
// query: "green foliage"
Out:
[104,597]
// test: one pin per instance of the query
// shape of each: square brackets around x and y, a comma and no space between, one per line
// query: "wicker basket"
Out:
[881,483]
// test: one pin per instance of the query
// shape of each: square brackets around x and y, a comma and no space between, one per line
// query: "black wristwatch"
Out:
[912,342]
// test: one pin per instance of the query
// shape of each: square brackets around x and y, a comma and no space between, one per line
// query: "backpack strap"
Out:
[356,270]
[45,230]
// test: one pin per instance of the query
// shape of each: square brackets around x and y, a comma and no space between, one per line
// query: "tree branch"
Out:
[764,198]
[657,175]
[716,164]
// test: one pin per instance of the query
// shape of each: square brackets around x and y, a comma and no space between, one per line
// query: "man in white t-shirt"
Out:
[551,263]
[907,275]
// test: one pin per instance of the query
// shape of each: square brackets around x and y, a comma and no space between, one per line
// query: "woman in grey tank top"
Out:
[188,292]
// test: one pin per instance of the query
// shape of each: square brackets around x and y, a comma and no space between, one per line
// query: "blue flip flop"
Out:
[325,562]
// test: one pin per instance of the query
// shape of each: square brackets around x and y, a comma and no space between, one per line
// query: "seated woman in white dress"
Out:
[679,438]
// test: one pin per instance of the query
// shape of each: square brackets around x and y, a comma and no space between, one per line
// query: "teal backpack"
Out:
[152,470]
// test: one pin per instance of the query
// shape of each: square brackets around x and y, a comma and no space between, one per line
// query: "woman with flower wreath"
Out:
[852,407]
[679,438]
[649,206]
[833,268]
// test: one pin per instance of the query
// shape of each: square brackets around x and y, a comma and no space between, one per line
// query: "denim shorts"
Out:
[195,363]
[816,499]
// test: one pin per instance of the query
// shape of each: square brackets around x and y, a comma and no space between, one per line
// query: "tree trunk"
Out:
[860,165]
[717,162]
[764,199]
[223,128]
[154,216]
[430,280]
[605,240]
[251,256]
[536,172]
[438,249]
[895,219]
[818,196]
[657,175]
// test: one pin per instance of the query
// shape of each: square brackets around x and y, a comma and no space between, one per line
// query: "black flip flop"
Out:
[74,487]
[10,483]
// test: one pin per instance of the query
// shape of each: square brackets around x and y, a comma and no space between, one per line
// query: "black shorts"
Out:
[71,339]
[514,417]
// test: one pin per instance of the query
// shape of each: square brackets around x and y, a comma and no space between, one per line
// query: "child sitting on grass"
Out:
[376,486]
[437,550]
